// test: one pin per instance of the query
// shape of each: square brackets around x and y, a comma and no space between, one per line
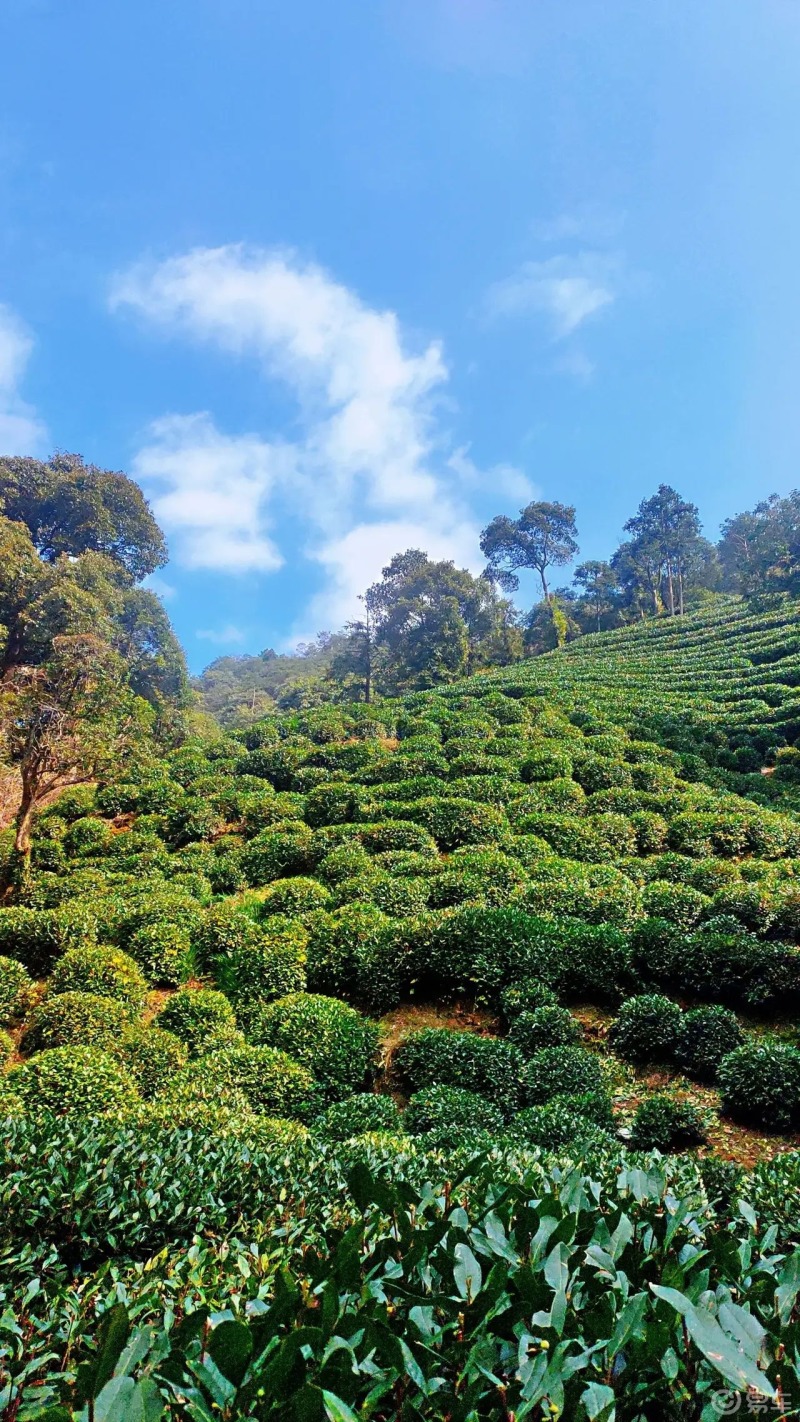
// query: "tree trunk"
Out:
[680,589]
[545,588]
[670,590]
[18,868]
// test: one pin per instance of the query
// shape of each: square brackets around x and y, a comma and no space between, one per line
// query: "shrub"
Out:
[356,1115]
[544,1027]
[560,1071]
[526,996]
[267,963]
[677,903]
[705,1036]
[274,1083]
[334,804]
[346,862]
[278,853]
[439,1056]
[294,896]
[193,819]
[106,971]
[662,1123]
[458,821]
[7,1048]
[326,1036]
[74,803]
[16,992]
[163,952]
[71,1018]
[557,1126]
[74,1081]
[86,836]
[200,1018]
[38,937]
[357,952]
[153,1057]
[450,1111]
[646,1029]
[397,898]
[760,1084]
[10,1103]
[546,763]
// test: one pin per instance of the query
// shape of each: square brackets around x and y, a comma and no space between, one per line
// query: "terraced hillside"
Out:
[524,920]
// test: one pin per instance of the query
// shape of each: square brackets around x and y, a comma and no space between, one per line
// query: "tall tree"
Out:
[665,532]
[71,507]
[544,536]
[760,549]
[599,590]
[65,721]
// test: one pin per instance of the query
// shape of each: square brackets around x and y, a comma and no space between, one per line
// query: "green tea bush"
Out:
[357,951]
[439,1056]
[74,1081]
[760,1084]
[662,1123]
[450,1111]
[557,1126]
[326,1036]
[705,1036]
[294,897]
[560,1071]
[544,1027]
[358,1114]
[456,822]
[7,1048]
[546,763]
[104,971]
[677,903]
[526,996]
[153,1057]
[279,853]
[195,818]
[38,937]
[274,1083]
[72,1018]
[266,964]
[395,898]
[347,862]
[75,803]
[86,836]
[201,1018]
[646,1029]
[163,952]
[17,991]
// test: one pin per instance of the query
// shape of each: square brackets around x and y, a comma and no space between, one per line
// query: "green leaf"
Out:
[720,1350]
[788,1288]
[230,1345]
[599,1401]
[112,1336]
[467,1272]
[336,1410]
[123,1400]
[629,1322]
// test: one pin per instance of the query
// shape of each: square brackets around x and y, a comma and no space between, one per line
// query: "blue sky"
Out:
[336,277]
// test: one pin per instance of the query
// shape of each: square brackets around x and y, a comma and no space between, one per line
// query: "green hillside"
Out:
[339,1050]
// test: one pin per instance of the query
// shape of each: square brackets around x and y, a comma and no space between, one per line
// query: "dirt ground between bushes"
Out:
[629,1085]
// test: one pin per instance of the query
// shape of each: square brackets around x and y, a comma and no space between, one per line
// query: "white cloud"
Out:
[566,290]
[225,637]
[504,480]
[160,587]
[21,432]
[211,491]
[370,472]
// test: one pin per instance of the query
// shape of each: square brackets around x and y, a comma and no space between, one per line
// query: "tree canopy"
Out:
[544,536]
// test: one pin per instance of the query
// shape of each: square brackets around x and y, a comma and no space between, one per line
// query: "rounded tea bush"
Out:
[153,1057]
[646,1029]
[453,1110]
[75,1018]
[294,897]
[272,1081]
[760,1084]
[439,1056]
[201,1018]
[560,1071]
[74,1081]
[107,972]
[544,1027]
[661,1123]
[705,1036]
[526,996]
[163,952]
[326,1036]
[17,989]
[86,836]
[557,1126]
[356,1115]
[267,961]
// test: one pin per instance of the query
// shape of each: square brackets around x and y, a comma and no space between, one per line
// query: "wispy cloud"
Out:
[228,636]
[566,290]
[21,431]
[372,470]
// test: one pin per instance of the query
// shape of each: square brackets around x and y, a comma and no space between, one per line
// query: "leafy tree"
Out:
[73,508]
[599,590]
[760,550]
[353,666]
[543,536]
[65,721]
[666,532]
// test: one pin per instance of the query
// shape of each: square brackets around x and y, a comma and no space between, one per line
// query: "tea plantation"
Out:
[428,1059]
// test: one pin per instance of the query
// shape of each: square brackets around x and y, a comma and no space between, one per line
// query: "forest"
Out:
[406,1029]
